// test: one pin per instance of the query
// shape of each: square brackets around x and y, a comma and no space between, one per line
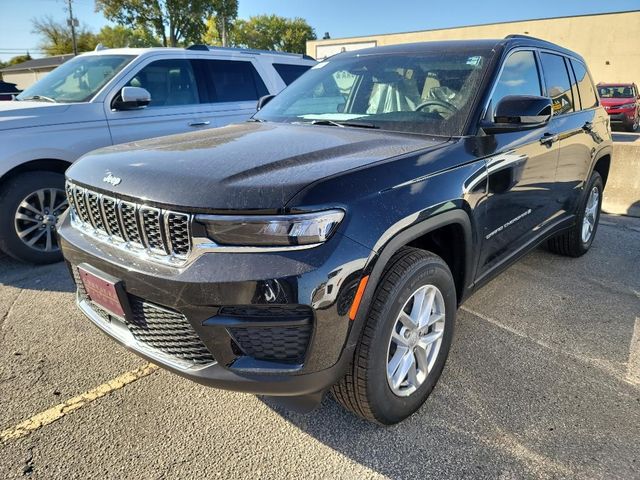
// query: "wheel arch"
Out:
[425,235]
[602,165]
[46,164]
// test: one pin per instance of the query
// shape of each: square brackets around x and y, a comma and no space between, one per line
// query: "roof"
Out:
[38,63]
[460,45]
[420,47]
[615,84]
[215,48]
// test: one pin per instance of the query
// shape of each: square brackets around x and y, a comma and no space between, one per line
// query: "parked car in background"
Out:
[114,96]
[8,91]
[622,103]
[328,243]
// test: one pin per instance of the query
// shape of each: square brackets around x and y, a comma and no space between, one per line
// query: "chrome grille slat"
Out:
[110,214]
[150,220]
[160,234]
[129,218]
[81,204]
[95,211]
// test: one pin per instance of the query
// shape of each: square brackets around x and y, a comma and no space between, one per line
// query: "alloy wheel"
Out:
[36,217]
[415,340]
[590,215]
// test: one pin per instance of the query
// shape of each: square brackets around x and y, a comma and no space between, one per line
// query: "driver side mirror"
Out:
[132,98]
[262,101]
[519,112]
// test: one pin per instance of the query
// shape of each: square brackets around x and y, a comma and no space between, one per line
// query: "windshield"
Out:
[431,92]
[617,91]
[77,80]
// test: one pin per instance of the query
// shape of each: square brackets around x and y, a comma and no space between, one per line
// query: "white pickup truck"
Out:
[114,96]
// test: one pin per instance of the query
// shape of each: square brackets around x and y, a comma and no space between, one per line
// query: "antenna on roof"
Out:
[100,47]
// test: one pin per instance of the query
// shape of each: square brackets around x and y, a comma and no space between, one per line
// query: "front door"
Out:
[175,103]
[521,172]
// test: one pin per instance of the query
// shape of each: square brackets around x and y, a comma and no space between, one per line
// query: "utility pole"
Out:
[73,23]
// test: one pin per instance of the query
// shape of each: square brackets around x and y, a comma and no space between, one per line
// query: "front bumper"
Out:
[266,323]
[622,117]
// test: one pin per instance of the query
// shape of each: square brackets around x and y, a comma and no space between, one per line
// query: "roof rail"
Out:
[208,48]
[528,37]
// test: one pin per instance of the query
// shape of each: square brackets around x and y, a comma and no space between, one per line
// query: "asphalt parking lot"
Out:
[543,381]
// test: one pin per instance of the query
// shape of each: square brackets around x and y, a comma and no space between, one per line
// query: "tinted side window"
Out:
[289,73]
[585,85]
[558,86]
[232,81]
[519,77]
[170,82]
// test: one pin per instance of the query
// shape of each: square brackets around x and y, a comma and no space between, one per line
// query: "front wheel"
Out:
[405,342]
[577,241]
[30,205]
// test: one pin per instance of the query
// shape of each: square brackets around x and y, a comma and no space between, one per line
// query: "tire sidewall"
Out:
[595,180]
[17,189]
[388,407]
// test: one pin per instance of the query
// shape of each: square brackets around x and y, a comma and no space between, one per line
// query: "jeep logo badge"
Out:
[111,179]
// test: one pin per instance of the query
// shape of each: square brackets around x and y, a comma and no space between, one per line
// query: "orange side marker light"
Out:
[358,297]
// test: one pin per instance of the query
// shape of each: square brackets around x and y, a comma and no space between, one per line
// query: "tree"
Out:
[56,37]
[226,13]
[120,36]
[271,32]
[173,21]
[18,59]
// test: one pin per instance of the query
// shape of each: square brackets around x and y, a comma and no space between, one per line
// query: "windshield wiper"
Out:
[343,124]
[39,97]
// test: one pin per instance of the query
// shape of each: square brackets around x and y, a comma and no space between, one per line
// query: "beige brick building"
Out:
[610,42]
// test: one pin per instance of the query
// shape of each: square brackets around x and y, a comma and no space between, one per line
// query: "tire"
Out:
[366,389]
[25,187]
[572,243]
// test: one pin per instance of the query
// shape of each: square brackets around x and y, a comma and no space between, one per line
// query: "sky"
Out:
[341,18]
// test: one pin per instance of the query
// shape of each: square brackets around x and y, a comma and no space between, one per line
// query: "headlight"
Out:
[272,231]
[626,105]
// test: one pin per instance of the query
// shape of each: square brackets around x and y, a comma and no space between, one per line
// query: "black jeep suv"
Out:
[327,243]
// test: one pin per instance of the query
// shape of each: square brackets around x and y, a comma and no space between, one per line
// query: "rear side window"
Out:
[230,81]
[519,77]
[556,77]
[289,73]
[585,85]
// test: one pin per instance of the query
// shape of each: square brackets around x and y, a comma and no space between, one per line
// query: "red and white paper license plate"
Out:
[101,291]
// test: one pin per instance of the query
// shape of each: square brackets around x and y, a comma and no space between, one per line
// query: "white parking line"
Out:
[633,365]
[603,365]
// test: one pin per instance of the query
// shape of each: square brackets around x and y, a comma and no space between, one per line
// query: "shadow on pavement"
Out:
[559,420]
[625,137]
[54,277]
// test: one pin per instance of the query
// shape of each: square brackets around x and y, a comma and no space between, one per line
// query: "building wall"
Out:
[610,43]
[24,79]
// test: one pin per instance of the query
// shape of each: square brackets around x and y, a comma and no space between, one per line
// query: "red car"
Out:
[622,103]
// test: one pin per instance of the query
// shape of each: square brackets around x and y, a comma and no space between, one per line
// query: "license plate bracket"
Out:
[104,290]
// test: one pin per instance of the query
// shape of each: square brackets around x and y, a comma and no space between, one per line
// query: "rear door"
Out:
[575,121]
[521,173]
[175,102]
[229,89]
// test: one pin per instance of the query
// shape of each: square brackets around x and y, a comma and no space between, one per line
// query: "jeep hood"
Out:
[24,114]
[248,166]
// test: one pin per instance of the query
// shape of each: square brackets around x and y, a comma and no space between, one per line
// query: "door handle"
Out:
[587,127]
[549,138]
[199,123]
